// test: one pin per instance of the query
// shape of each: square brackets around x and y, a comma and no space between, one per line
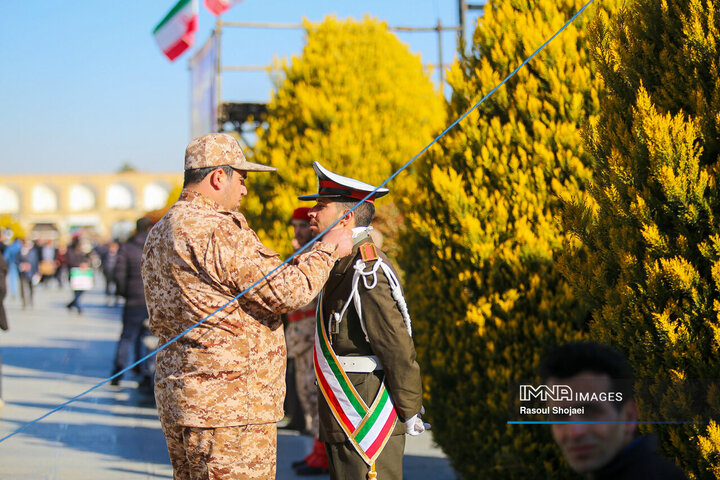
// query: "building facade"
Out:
[105,205]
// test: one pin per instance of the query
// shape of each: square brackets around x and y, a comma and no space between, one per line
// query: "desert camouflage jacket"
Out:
[300,331]
[230,370]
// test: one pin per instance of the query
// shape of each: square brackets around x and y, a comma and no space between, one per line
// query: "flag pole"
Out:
[218,74]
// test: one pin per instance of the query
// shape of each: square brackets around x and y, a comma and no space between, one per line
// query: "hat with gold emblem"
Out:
[217,150]
[332,185]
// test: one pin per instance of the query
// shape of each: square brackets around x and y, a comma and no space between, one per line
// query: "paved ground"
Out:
[50,355]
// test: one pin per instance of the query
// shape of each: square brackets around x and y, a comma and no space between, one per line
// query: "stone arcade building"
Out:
[104,204]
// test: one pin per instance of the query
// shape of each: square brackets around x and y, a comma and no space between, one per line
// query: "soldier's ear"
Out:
[216,178]
[348,217]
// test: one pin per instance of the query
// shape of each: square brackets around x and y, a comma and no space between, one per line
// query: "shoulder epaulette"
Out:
[368,252]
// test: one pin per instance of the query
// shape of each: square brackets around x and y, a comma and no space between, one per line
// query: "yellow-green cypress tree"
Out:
[486,297]
[7,222]
[358,102]
[650,262]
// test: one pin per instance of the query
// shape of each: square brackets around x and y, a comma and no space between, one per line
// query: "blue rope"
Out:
[318,236]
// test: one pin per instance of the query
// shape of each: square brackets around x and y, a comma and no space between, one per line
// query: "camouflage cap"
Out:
[216,150]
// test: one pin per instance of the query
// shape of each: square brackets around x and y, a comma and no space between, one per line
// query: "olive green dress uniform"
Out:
[390,341]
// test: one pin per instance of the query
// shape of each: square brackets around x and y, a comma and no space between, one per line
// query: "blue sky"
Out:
[85,89]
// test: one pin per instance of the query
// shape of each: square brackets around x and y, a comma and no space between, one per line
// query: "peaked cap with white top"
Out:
[332,185]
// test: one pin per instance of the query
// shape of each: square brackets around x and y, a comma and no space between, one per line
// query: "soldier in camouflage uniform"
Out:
[300,336]
[220,387]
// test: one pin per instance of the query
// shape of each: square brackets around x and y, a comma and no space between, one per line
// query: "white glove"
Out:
[415,426]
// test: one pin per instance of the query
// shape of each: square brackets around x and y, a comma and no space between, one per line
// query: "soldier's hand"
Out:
[415,426]
[342,238]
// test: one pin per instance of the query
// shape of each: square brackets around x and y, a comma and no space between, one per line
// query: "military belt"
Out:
[365,364]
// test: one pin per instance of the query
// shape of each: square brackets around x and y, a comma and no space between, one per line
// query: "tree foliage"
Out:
[487,297]
[7,222]
[650,262]
[358,102]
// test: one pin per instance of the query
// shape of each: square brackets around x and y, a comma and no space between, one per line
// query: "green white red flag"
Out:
[218,7]
[176,32]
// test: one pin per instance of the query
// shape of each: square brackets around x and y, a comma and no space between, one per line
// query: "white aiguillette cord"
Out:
[354,297]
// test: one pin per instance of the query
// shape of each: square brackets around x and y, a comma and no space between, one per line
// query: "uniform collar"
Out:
[198,198]
[343,264]
[359,234]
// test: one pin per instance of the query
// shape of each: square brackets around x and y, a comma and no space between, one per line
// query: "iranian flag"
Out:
[176,32]
[218,7]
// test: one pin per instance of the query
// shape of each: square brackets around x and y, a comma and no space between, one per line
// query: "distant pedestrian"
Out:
[61,273]
[128,278]
[47,267]
[27,262]
[81,275]
[108,262]
[11,252]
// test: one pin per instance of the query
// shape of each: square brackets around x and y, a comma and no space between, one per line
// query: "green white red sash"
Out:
[368,429]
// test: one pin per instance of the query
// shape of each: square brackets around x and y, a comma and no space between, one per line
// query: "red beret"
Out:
[301,213]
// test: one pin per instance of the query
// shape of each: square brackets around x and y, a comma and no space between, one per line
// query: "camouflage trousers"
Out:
[307,390]
[238,453]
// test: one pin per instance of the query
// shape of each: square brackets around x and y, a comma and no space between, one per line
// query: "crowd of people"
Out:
[29,266]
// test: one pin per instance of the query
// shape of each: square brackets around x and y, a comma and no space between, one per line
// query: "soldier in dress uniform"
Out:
[369,381]
[220,387]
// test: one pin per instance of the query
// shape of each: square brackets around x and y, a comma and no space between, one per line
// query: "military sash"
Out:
[367,428]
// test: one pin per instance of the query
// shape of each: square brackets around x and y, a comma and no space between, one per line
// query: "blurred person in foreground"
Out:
[609,447]
[220,387]
[365,356]
[127,277]
[300,336]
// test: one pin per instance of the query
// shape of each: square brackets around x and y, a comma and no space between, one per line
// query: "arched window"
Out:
[120,196]
[44,199]
[82,198]
[9,200]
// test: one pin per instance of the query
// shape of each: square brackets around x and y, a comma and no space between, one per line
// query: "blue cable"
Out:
[318,236]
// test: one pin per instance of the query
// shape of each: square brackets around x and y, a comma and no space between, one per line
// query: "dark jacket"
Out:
[640,460]
[127,272]
[75,257]
[30,259]
[389,341]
